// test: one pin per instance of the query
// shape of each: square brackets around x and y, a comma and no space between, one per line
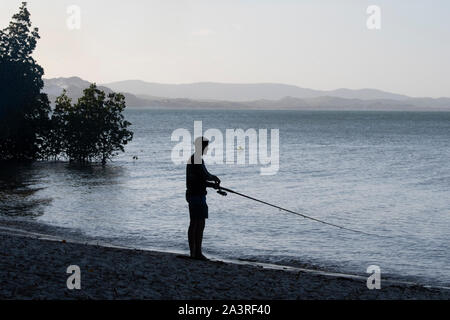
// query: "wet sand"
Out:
[33,268]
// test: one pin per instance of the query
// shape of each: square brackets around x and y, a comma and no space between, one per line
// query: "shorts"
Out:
[198,209]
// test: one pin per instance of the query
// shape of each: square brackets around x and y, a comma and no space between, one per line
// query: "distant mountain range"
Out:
[242,92]
[246,96]
[75,86]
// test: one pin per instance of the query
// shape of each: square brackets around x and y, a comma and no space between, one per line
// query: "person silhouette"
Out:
[197,180]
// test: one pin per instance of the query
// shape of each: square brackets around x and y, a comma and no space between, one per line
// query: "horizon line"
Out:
[248,83]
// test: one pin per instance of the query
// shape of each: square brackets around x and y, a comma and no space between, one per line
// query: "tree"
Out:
[54,143]
[93,129]
[24,110]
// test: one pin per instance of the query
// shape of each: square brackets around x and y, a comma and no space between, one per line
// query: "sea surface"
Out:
[384,173]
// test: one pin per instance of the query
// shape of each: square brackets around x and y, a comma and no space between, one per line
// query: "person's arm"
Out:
[212,181]
[213,185]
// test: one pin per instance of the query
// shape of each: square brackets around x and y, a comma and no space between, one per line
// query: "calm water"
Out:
[380,172]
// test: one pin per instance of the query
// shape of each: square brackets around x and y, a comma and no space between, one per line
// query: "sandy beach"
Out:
[34,268]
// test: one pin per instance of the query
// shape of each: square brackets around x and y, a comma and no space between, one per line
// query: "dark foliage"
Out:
[93,129]
[23,108]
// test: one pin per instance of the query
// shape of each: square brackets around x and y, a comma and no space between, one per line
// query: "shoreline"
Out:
[36,268]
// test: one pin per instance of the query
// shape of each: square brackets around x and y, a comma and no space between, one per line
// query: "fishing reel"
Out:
[222,193]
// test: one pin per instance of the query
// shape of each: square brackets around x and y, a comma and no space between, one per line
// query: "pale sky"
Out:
[313,44]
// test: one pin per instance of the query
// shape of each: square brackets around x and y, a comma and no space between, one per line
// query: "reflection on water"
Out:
[18,192]
[23,186]
[89,175]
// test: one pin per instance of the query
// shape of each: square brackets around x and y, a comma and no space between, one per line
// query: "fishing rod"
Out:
[223,191]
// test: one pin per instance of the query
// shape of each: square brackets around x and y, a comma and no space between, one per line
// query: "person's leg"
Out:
[191,236]
[199,239]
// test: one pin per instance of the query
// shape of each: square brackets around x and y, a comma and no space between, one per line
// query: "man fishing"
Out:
[197,180]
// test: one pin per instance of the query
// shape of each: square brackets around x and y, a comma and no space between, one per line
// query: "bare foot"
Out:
[201,257]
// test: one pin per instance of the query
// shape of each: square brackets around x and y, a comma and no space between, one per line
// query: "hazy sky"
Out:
[314,44]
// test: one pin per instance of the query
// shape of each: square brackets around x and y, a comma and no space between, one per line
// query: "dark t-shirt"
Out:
[196,178]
